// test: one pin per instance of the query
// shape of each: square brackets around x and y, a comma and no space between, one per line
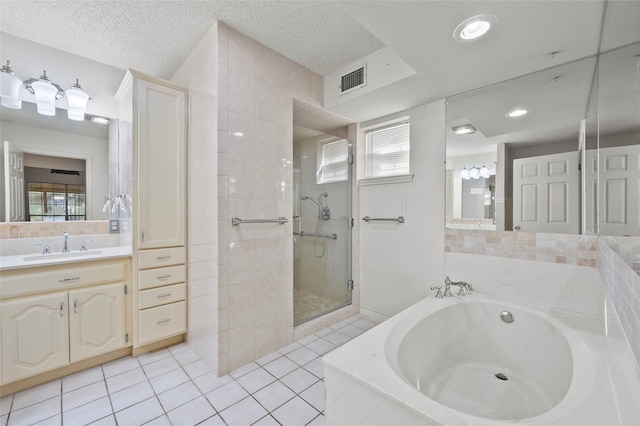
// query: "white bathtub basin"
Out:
[466,357]
[436,363]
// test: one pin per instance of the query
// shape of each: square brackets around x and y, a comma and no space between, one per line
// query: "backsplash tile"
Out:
[556,248]
[13,230]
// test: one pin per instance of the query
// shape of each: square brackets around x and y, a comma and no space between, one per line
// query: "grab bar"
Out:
[237,221]
[306,234]
[399,219]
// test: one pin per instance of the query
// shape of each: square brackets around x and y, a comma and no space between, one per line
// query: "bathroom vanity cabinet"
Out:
[157,111]
[55,316]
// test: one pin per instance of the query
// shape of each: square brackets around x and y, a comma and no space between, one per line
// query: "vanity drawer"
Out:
[162,295]
[49,278]
[161,257]
[161,276]
[162,321]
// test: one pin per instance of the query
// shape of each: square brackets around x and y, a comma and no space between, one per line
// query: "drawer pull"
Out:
[162,296]
[66,280]
[164,321]
[163,277]
[163,257]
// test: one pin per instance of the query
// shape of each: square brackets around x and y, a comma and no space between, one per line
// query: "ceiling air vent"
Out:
[353,80]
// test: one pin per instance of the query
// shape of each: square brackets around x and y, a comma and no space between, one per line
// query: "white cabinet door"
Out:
[35,335]
[96,321]
[546,193]
[161,169]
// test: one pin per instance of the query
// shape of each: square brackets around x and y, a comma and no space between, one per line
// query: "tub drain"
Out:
[502,376]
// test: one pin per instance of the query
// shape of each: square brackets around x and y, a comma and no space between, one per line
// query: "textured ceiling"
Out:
[156,36]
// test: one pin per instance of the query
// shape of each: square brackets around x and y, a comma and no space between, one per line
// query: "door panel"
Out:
[35,336]
[96,322]
[619,175]
[546,193]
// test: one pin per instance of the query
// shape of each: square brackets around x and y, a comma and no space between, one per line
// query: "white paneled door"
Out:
[618,199]
[546,193]
[14,183]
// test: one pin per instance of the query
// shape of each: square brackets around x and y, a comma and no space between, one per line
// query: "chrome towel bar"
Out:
[399,219]
[307,234]
[237,221]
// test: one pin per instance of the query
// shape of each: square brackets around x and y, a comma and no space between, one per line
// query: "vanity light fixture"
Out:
[77,99]
[466,129]
[10,87]
[46,92]
[473,28]
[516,113]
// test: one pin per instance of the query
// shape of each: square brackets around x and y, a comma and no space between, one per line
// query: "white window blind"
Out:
[387,151]
[333,162]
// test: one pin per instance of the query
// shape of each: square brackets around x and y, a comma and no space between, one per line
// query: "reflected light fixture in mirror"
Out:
[516,113]
[466,129]
[473,28]
[10,87]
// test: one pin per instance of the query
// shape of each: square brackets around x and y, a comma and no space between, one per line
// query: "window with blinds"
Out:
[387,151]
[333,162]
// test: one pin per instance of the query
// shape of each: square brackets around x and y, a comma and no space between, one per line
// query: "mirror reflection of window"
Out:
[55,202]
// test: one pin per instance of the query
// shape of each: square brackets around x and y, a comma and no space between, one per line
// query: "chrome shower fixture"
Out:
[324,212]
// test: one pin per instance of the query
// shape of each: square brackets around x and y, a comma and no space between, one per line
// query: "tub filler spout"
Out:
[464,287]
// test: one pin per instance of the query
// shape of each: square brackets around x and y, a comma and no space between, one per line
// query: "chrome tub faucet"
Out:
[463,287]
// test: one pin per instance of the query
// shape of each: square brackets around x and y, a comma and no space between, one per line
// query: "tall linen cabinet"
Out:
[153,116]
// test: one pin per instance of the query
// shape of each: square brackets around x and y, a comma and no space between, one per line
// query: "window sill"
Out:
[386,180]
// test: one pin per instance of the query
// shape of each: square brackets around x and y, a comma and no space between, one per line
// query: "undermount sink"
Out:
[62,255]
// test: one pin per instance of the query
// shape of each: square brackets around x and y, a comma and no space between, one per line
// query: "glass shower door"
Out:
[322,235]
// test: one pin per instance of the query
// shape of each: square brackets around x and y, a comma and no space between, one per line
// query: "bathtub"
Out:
[456,361]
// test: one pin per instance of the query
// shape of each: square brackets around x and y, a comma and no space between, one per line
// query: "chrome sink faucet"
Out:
[66,239]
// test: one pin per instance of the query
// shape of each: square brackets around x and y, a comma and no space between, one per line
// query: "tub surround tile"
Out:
[555,248]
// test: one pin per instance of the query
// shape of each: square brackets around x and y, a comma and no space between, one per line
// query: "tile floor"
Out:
[174,387]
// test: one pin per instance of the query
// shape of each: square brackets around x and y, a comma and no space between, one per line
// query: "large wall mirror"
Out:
[53,168]
[553,151]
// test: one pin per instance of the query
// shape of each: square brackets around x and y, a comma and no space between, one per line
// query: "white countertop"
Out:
[33,259]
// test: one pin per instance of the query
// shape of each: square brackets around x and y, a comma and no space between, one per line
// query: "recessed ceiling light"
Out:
[474,27]
[516,113]
[466,129]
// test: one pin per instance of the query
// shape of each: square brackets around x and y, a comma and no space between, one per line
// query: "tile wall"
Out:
[10,230]
[623,287]
[558,248]
[255,181]
[199,73]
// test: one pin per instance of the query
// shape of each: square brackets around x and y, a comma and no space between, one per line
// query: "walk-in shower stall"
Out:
[322,235]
